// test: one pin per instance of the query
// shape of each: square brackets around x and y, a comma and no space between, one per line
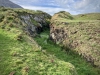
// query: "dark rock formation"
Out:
[35,23]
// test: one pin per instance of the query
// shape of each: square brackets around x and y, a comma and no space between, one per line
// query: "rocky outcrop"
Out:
[31,22]
[35,23]
[81,36]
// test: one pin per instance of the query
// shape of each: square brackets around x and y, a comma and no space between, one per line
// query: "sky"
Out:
[53,6]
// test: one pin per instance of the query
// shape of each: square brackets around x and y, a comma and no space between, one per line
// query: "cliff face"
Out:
[8,3]
[80,33]
[31,22]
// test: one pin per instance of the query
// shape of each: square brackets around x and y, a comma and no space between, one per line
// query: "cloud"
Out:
[64,3]
[49,10]
[81,6]
[53,6]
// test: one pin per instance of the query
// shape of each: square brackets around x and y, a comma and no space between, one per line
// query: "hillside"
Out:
[19,53]
[25,47]
[8,3]
[80,33]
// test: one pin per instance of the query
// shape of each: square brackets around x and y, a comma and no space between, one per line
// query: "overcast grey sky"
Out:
[53,6]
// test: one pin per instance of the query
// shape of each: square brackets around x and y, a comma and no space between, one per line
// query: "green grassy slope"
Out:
[89,16]
[26,58]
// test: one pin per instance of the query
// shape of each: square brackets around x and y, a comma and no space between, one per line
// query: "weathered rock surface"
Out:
[82,36]
[35,23]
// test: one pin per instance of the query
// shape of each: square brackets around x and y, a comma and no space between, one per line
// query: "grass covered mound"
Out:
[81,33]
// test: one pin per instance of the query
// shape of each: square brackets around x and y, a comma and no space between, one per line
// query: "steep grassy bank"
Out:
[81,33]
[82,67]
